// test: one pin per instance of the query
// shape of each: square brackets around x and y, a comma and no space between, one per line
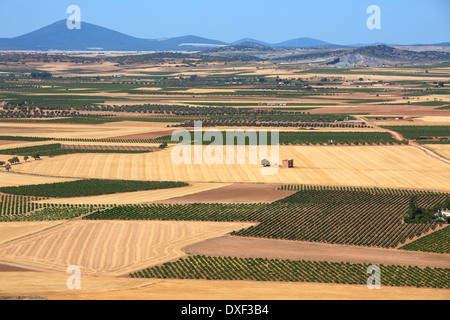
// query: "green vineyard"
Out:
[179,212]
[369,217]
[24,208]
[438,242]
[16,205]
[229,268]
[89,187]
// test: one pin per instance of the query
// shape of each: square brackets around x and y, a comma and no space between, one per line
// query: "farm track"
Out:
[398,136]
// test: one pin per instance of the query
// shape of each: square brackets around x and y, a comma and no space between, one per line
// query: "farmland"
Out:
[369,166]
[104,192]
[438,241]
[56,149]
[81,188]
[111,242]
[416,132]
[305,216]
[227,268]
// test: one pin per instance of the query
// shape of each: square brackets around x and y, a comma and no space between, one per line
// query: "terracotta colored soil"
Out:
[4,142]
[235,193]
[11,268]
[145,136]
[296,250]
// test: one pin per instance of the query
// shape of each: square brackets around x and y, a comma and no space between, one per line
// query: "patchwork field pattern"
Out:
[382,166]
[109,247]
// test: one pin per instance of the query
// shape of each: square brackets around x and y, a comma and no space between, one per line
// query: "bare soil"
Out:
[12,268]
[297,250]
[5,142]
[235,193]
[145,136]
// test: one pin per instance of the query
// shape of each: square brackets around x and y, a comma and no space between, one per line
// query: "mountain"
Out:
[92,37]
[57,36]
[302,43]
[250,40]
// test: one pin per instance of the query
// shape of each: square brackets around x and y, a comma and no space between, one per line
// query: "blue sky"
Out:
[340,22]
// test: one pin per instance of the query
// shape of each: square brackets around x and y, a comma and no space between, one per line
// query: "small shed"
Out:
[288,163]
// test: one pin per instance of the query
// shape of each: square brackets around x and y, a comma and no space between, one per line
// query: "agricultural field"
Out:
[306,216]
[105,193]
[369,166]
[111,242]
[438,241]
[422,132]
[228,268]
[91,187]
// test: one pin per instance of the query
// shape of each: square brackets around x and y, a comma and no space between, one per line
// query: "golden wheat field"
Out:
[11,179]
[53,285]
[14,230]
[440,149]
[382,166]
[109,247]
[254,290]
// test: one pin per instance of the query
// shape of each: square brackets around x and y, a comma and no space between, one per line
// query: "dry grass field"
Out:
[382,166]
[53,286]
[14,230]
[440,149]
[108,247]
[247,290]
[11,179]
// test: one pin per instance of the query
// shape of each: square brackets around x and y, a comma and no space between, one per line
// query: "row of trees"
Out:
[15,160]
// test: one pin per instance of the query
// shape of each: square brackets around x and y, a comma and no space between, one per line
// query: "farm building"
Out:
[288,164]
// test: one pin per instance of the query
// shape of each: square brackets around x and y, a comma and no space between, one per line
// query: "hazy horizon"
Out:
[402,22]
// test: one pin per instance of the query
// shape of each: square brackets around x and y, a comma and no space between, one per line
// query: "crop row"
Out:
[89,187]
[49,212]
[438,241]
[374,190]
[17,205]
[416,132]
[297,138]
[229,268]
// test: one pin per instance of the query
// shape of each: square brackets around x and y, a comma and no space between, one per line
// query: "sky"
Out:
[333,21]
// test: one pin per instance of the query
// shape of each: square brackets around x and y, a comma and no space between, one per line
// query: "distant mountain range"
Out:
[91,37]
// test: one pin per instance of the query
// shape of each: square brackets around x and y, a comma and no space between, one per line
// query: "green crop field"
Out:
[82,188]
[304,137]
[12,205]
[414,132]
[229,268]
[15,138]
[438,241]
